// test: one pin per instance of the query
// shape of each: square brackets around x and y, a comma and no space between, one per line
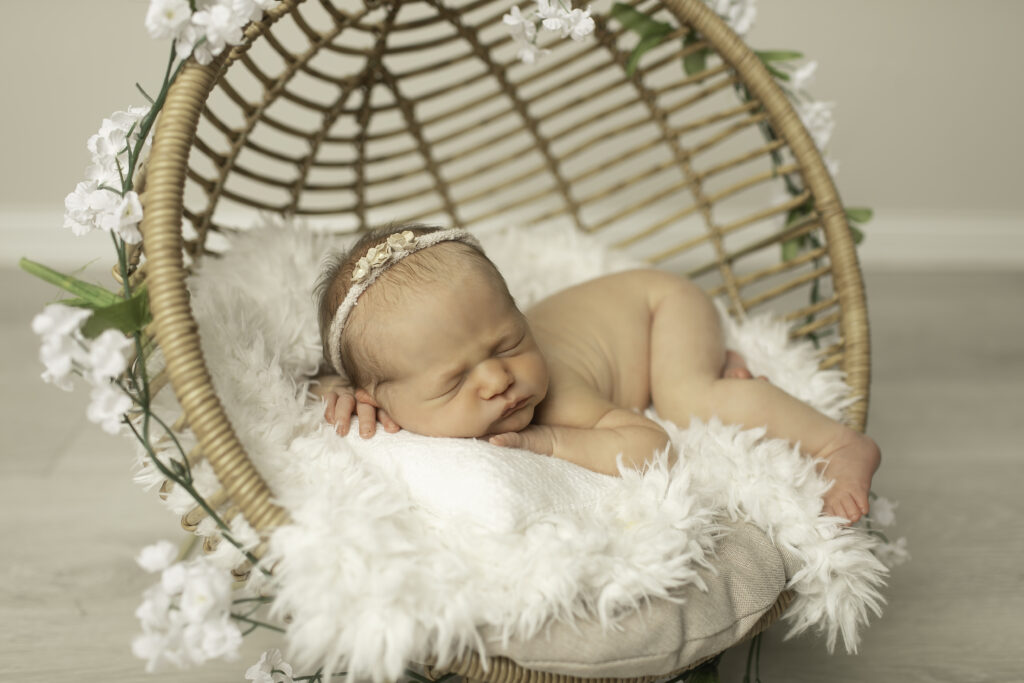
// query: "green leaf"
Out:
[781,75]
[767,56]
[695,62]
[643,46]
[127,315]
[94,294]
[791,248]
[859,215]
[858,234]
[635,20]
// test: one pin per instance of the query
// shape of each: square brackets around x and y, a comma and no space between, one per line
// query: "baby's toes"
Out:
[851,510]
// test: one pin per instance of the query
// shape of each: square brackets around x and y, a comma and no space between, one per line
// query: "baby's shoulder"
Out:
[572,400]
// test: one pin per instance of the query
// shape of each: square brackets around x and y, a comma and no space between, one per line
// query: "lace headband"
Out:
[376,261]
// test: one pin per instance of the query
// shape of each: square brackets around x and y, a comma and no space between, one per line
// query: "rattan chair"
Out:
[362,114]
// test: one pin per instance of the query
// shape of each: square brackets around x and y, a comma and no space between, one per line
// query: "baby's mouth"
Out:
[513,407]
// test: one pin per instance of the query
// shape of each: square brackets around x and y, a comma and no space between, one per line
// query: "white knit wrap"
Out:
[377,260]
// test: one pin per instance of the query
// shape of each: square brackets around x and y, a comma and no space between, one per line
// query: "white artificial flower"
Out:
[883,511]
[207,590]
[59,356]
[154,612]
[515,19]
[151,646]
[251,10]
[158,556]
[106,356]
[552,17]
[270,669]
[817,117]
[742,17]
[61,348]
[173,578]
[803,76]
[220,27]
[77,215]
[529,52]
[129,214]
[738,14]
[211,639]
[166,18]
[578,24]
[893,554]
[186,41]
[107,404]
[59,320]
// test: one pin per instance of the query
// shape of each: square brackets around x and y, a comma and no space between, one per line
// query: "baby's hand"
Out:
[536,438]
[341,403]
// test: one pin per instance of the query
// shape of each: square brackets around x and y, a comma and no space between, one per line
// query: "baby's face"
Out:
[461,361]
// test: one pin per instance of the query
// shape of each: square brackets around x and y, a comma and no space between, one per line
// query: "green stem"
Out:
[254,622]
[150,118]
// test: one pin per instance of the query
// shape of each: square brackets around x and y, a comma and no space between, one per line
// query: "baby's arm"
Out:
[597,448]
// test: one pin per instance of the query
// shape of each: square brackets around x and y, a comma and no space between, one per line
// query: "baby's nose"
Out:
[495,378]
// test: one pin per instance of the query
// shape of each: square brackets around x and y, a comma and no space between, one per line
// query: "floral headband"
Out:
[378,259]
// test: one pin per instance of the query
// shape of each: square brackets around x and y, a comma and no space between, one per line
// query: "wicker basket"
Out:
[363,114]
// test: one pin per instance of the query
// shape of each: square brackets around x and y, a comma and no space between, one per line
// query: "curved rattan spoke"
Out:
[510,91]
[416,130]
[258,113]
[692,182]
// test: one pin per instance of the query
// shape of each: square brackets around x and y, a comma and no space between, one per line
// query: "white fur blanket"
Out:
[403,546]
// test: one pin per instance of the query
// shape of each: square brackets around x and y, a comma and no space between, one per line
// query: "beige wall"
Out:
[928,94]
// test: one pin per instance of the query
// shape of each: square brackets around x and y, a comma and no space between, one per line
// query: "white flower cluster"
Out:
[738,14]
[270,669]
[551,15]
[186,617]
[100,360]
[98,201]
[204,33]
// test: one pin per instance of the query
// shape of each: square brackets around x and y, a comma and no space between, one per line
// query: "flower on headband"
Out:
[401,241]
[381,254]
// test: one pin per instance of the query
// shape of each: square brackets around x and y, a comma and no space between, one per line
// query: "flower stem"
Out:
[254,622]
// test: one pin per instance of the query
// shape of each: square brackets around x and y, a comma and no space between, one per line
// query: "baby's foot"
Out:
[736,367]
[850,464]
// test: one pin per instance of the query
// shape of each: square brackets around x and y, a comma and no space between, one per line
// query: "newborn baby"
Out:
[421,333]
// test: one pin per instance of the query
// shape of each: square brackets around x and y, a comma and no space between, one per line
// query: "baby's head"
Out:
[435,338]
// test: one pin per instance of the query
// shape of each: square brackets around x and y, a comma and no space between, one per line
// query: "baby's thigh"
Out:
[687,342]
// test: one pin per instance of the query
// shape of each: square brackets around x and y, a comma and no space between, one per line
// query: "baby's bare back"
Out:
[596,338]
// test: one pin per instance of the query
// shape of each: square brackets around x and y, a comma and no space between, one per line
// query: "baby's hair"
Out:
[422,268]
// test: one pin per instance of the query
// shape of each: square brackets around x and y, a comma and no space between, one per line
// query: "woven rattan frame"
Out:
[169,251]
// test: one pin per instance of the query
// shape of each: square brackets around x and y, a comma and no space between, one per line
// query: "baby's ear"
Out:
[363,396]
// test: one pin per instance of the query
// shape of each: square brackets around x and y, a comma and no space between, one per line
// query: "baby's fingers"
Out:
[534,439]
[367,419]
[341,415]
[385,419]
[508,440]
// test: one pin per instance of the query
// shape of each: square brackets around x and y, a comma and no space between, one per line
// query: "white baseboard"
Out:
[968,240]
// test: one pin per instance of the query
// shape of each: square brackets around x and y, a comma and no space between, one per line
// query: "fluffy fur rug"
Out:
[403,546]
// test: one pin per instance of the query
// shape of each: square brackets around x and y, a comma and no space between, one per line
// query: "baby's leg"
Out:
[687,379]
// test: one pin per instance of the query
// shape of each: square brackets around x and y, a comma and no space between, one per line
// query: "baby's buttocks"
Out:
[600,331]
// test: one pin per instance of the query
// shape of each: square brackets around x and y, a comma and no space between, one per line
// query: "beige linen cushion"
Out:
[664,636]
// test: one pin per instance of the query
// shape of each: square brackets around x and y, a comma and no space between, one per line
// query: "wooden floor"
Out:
[947,408]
